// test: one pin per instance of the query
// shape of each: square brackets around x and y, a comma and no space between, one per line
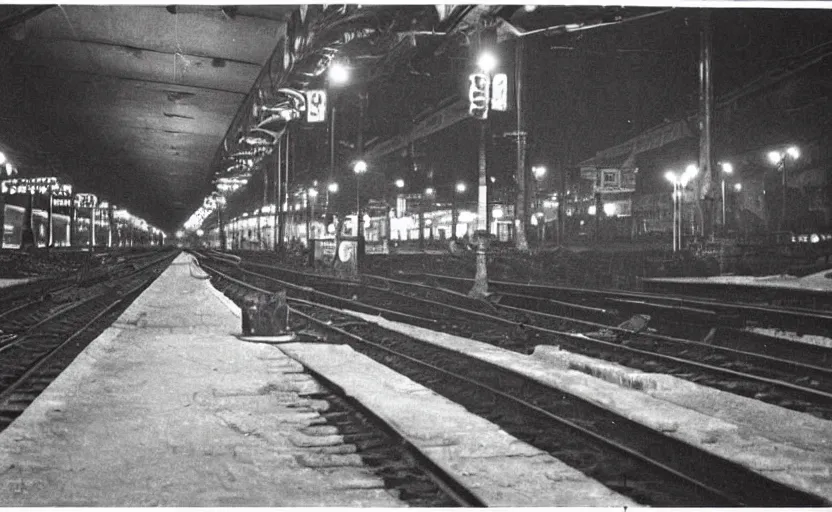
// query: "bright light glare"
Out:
[313,192]
[360,167]
[690,172]
[539,171]
[332,187]
[529,8]
[497,213]
[738,187]
[671,177]
[180,234]
[609,209]
[400,183]
[200,232]
[774,157]
[727,168]
[338,73]
[429,191]
[793,152]
[487,62]
[2,158]
[460,187]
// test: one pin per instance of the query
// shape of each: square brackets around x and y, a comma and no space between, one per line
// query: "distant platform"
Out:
[818,282]
[6,282]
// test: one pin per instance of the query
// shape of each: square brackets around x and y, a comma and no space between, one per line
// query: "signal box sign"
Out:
[34,186]
[86,201]
[315,106]
[62,202]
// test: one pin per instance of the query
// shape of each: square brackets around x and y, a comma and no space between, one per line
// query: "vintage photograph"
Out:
[416,255]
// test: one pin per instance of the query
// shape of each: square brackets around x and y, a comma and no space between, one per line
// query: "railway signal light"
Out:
[499,92]
[479,92]
[315,106]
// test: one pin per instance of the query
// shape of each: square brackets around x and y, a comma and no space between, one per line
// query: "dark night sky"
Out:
[585,91]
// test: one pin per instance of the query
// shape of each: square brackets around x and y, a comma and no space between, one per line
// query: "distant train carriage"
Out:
[13,227]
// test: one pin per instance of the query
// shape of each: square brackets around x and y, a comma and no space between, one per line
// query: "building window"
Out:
[610,178]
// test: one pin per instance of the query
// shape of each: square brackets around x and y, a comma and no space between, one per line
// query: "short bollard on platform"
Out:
[266,318]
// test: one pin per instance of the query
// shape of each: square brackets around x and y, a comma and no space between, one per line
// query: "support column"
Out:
[73,225]
[521,178]
[480,288]
[50,234]
[705,207]
[2,219]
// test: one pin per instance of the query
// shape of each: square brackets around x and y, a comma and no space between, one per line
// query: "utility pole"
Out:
[359,219]
[276,189]
[521,201]
[281,232]
[706,213]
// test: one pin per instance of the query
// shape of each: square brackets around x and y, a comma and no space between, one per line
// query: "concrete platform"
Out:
[784,445]
[167,408]
[817,282]
[11,281]
[500,469]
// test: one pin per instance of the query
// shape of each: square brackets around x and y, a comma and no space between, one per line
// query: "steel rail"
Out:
[799,312]
[11,388]
[455,490]
[578,338]
[565,422]
[584,431]
[72,307]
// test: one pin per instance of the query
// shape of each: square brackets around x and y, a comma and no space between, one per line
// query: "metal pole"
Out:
[278,203]
[480,287]
[73,228]
[92,229]
[2,219]
[675,233]
[522,199]
[706,93]
[50,238]
[681,216]
[723,205]
[783,207]
[332,144]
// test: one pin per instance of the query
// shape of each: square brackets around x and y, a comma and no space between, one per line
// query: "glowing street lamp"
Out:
[487,62]
[676,182]
[460,187]
[399,183]
[539,172]
[339,74]
[779,158]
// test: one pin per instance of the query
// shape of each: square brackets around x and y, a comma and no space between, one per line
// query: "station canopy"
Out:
[142,105]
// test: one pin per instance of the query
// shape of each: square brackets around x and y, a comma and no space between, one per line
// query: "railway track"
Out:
[794,380]
[627,457]
[799,320]
[44,341]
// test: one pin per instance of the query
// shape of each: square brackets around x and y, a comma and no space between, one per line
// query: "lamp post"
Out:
[459,188]
[674,180]
[727,168]
[331,188]
[779,158]
[680,182]
[539,172]
[486,63]
[359,168]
